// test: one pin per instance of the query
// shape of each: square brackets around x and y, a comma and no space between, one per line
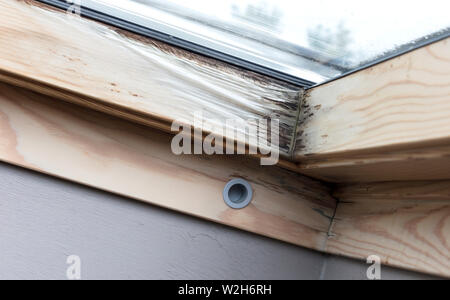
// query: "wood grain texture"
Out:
[393,220]
[400,101]
[385,119]
[407,224]
[97,150]
[42,220]
[132,77]
[389,122]
[428,162]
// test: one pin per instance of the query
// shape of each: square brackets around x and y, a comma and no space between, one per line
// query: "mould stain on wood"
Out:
[404,100]
[98,150]
[388,122]
[153,79]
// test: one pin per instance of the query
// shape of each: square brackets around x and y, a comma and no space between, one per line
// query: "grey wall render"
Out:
[43,220]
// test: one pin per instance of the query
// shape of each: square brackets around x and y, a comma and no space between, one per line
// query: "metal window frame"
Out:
[181,43]
[156,31]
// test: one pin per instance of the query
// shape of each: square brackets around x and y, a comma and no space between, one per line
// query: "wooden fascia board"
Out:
[390,220]
[91,148]
[348,130]
[371,125]
[388,122]
[133,77]
[405,224]
[398,102]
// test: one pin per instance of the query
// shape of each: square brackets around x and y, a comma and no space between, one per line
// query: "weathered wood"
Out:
[374,125]
[407,224]
[389,122]
[428,162]
[400,101]
[97,150]
[352,128]
[132,77]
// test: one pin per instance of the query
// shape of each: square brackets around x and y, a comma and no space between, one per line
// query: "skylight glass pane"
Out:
[313,40]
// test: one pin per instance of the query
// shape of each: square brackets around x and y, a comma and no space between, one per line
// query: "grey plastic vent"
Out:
[238,193]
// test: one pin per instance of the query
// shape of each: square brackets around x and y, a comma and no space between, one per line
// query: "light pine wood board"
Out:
[407,224]
[400,101]
[129,76]
[399,105]
[428,162]
[94,149]
[91,148]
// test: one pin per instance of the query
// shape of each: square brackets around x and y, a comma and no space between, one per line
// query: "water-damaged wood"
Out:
[387,122]
[405,223]
[95,149]
[403,100]
[133,77]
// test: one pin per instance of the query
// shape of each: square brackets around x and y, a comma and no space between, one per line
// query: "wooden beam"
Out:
[136,78]
[428,162]
[407,224]
[381,123]
[388,122]
[91,148]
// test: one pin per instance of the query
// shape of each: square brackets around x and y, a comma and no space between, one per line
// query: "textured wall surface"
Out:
[44,220]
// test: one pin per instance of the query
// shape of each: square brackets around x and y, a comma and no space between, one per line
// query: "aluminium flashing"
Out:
[181,43]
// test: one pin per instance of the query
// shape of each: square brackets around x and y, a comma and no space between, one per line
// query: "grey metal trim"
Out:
[136,24]
[419,43]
